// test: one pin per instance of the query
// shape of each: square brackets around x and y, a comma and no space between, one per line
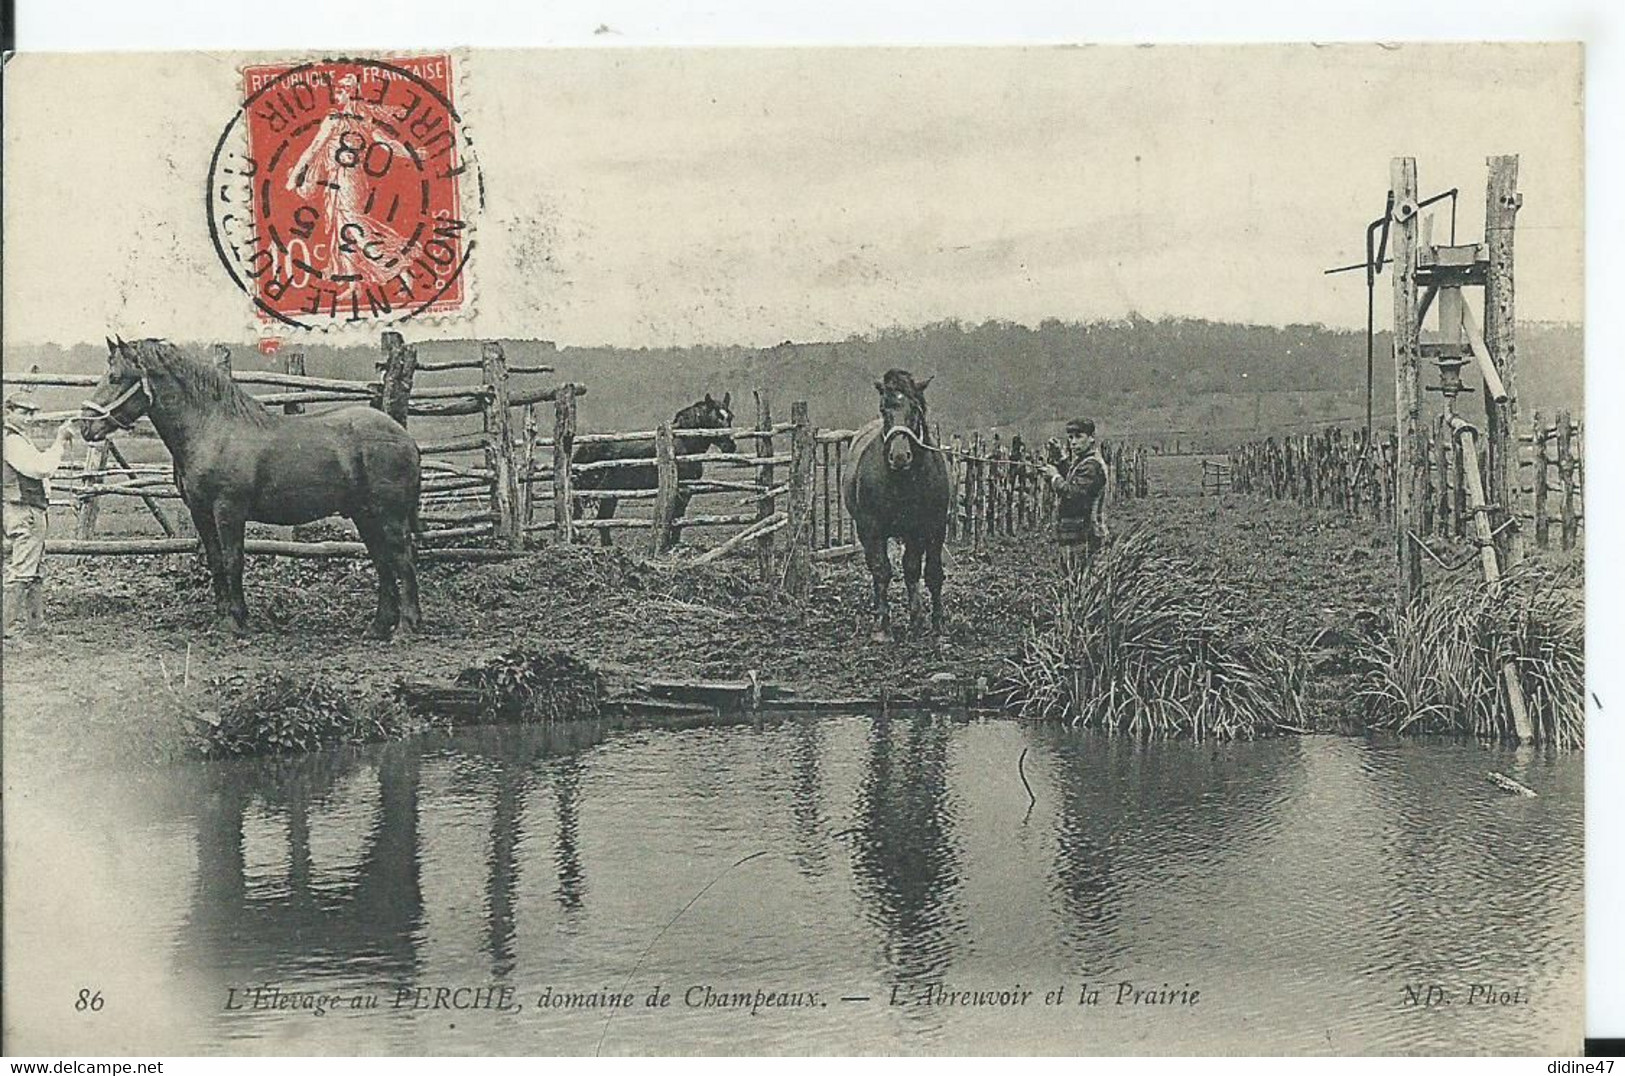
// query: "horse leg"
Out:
[912,555]
[879,560]
[228,522]
[606,510]
[933,581]
[376,538]
[679,505]
[203,520]
[403,547]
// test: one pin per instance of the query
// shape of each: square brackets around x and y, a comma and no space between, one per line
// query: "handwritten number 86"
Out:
[87,1000]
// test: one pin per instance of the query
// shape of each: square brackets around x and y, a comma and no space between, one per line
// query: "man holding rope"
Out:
[1080,482]
[27,499]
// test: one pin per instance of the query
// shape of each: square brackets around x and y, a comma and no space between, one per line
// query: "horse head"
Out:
[123,394]
[707,414]
[902,418]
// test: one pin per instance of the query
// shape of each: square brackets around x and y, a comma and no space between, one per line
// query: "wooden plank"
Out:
[1488,561]
[467,442]
[759,529]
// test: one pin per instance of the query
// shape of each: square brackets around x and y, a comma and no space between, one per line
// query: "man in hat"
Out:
[27,498]
[1080,482]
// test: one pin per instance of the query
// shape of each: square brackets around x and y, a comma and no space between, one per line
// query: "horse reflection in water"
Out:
[904,858]
[369,912]
[368,917]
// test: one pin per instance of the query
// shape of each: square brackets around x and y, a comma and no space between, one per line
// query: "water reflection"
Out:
[904,857]
[1273,874]
[362,915]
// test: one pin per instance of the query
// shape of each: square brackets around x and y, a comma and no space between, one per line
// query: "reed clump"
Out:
[1441,668]
[282,714]
[524,684]
[1151,643]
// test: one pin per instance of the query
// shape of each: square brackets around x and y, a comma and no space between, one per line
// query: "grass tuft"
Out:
[1440,670]
[1153,644]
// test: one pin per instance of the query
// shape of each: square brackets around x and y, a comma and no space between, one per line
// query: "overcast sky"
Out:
[749,196]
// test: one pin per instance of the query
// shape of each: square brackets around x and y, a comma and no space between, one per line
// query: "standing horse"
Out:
[707,414]
[898,488]
[235,461]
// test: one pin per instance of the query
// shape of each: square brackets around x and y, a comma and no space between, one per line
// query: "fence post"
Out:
[665,508]
[956,498]
[564,436]
[1565,473]
[294,364]
[978,491]
[400,366]
[1407,385]
[1537,446]
[798,555]
[89,504]
[499,446]
[527,476]
[1501,202]
[764,478]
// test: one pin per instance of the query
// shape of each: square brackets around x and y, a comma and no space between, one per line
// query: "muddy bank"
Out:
[115,677]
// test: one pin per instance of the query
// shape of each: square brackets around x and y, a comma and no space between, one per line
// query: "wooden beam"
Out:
[1501,202]
[1407,389]
[1493,385]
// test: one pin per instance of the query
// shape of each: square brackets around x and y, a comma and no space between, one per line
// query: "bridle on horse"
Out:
[110,412]
[903,429]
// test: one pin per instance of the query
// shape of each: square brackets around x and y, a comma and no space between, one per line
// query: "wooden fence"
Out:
[1333,469]
[490,491]
[468,508]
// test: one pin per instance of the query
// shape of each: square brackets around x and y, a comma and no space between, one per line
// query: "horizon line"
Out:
[870,336]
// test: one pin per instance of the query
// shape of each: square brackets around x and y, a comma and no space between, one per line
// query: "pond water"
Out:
[865,885]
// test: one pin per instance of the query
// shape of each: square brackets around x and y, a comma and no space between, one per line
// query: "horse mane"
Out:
[202,381]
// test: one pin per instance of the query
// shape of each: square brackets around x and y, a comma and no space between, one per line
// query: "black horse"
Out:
[898,488]
[707,414]
[235,461]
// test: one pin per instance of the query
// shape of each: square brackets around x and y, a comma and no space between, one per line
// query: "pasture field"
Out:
[114,677]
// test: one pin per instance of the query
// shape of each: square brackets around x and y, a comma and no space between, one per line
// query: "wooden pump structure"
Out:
[1440,273]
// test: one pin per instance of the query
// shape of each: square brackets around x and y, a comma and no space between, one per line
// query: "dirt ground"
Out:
[133,645]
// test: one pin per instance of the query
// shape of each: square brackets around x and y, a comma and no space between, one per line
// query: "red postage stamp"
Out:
[345,200]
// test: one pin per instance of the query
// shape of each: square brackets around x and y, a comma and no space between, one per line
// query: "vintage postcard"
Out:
[1006,550]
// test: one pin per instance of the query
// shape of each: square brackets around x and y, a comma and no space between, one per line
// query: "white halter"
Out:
[108,411]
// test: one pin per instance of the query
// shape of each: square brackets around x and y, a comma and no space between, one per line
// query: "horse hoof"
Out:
[880,635]
[380,632]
